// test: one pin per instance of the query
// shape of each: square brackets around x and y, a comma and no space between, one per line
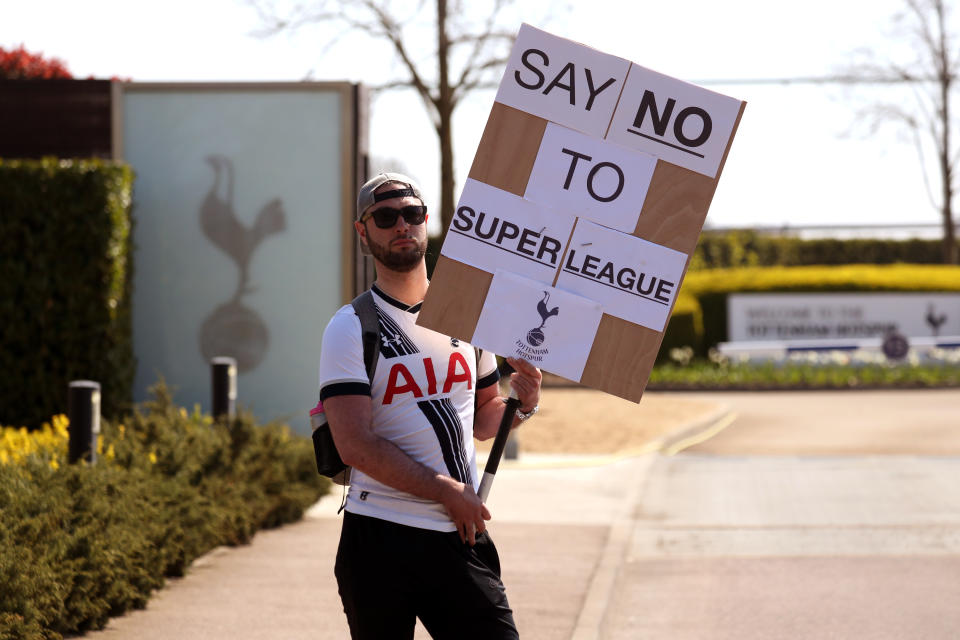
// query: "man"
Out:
[414,541]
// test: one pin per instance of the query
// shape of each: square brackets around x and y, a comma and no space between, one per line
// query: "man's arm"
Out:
[525,381]
[349,417]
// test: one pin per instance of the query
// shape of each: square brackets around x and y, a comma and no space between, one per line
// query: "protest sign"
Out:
[593,177]
[634,279]
[546,326]
[494,229]
[604,182]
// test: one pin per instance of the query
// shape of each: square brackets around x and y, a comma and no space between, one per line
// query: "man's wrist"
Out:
[526,415]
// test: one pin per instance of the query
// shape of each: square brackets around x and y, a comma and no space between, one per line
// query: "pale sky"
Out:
[799,158]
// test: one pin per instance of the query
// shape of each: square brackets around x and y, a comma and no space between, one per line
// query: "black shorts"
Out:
[390,574]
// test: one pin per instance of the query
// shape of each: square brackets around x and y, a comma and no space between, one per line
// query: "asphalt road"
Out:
[856,423]
[812,515]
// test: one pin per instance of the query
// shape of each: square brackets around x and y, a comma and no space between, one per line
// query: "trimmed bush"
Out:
[744,248]
[81,543]
[834,370]
[65,285]
[684,329]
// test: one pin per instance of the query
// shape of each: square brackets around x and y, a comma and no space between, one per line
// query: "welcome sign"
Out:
[590,185]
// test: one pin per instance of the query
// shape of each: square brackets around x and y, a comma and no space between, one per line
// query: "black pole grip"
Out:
[503,432]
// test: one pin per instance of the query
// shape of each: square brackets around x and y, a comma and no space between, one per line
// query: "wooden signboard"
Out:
[586,197]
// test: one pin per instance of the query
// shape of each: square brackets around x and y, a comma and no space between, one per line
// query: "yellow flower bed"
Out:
[49,442]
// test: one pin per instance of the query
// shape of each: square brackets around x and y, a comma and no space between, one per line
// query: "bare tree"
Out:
[932,75]
[469,54]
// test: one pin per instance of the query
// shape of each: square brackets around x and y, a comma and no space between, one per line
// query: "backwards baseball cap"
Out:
[366,198]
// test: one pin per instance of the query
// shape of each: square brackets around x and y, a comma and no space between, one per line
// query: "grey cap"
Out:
[366,198]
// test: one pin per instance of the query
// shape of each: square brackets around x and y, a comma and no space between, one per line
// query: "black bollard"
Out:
[83,411]
[223,371]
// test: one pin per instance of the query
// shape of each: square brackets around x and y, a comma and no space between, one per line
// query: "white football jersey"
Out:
[423,400]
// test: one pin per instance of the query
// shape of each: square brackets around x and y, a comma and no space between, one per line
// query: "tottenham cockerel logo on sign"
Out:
[535,336]
[544,325]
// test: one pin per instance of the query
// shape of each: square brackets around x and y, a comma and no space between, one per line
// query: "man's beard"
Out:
[404,260]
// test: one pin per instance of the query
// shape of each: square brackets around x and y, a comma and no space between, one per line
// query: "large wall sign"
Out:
[590,185]
[244,200]
[591,178]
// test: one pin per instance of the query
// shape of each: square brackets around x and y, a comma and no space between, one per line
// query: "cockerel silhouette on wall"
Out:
[221,225]
[234,329]
[934,320]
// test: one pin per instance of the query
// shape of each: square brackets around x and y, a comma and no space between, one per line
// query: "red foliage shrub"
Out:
[18,64]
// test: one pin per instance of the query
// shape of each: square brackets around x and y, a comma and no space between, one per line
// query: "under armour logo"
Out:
[454,342]
[364,494]
[386,341]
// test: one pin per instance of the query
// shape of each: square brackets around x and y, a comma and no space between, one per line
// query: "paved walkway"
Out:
[723,545]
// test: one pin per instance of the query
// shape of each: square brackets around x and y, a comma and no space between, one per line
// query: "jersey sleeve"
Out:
[341,357]
[487,372]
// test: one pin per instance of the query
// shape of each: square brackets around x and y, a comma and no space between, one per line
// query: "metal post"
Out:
[83,411]
[223,371]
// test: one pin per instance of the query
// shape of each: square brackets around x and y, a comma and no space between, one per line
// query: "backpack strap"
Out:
[366,310]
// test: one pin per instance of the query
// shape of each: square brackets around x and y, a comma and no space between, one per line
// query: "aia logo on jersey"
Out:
[401,380]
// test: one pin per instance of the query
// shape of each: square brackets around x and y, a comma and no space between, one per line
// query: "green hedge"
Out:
[684,329]
[833,371]
[711,288]
[65,285]
[724,250]
[81,543]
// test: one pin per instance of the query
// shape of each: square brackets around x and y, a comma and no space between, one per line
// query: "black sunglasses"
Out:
[386,217]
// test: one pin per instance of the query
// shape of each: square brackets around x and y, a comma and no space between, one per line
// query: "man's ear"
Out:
[361,231]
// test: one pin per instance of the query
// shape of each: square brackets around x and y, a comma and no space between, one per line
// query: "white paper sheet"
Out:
[680,122]
[632,278]
[494,229]
[590,177]
[552,329]
[562,81]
